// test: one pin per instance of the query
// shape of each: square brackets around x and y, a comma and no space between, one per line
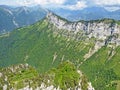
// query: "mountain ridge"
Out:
[47,43]
[15,20]
[89,13]
[108,26]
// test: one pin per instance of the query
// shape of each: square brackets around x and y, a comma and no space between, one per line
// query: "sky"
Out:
[66,4]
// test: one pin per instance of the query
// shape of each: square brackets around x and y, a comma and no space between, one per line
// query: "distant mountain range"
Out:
[14,17]
[89,13]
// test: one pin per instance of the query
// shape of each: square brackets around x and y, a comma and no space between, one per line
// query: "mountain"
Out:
[93,47]
[115,14]
[14,17]
[6,20]
[89,13]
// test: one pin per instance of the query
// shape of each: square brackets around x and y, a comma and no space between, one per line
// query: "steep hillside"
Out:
[42,43]
[102,68]
[93,47]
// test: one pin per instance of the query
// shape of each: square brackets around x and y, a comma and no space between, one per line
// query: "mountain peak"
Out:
[51,15]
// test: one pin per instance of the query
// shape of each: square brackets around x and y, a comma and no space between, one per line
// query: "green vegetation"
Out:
[64,76]
[104,20]
[44,47]
[17,75]
[38,45]
[84,83]
[101,70]
[26,74]
[118,22]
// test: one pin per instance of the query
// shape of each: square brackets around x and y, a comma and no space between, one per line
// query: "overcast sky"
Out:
[68,4]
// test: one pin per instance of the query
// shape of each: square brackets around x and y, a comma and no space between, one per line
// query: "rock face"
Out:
[100,29]
[104,32]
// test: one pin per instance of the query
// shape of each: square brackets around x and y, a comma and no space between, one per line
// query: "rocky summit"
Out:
[100,29]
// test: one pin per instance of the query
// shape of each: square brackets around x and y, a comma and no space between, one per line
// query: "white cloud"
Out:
[79,5]
[110,5]
[53,4]
[106,2]
[112,8]
[40,2]
[25,2]
[67,4]
[56,1]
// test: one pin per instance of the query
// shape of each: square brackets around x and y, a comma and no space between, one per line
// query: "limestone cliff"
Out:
[104,32]
[100,29]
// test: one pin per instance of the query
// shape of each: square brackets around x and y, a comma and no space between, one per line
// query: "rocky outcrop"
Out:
[100,29]
[23,77]
[104,32]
